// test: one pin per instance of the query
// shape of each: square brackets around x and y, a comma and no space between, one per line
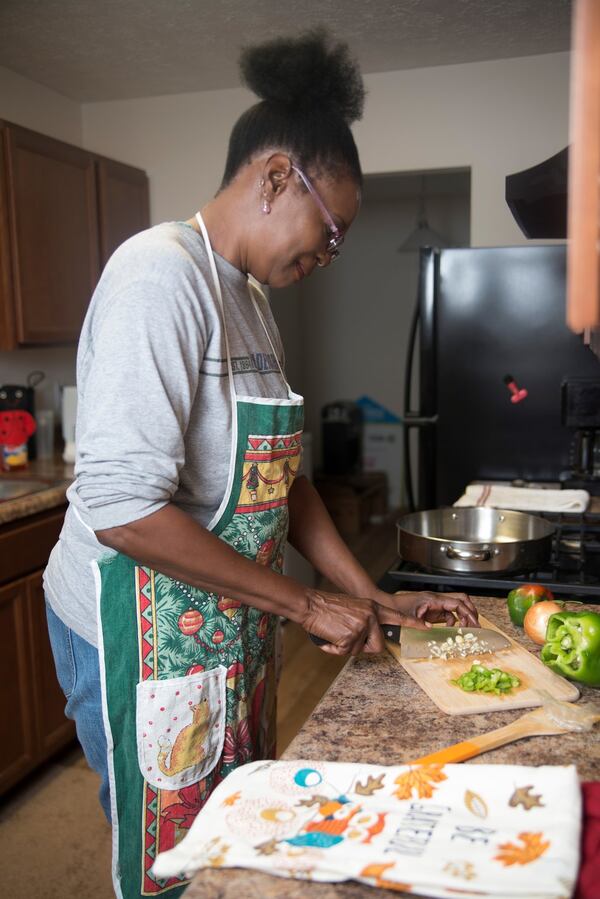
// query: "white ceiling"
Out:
[93,50]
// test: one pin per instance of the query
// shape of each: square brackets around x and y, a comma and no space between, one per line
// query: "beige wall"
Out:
[493,117]
[34,106]
[179,140]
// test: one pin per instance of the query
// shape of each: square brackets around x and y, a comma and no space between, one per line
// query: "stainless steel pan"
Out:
[475,540]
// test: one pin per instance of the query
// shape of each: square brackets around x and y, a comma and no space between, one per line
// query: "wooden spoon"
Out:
[554,718]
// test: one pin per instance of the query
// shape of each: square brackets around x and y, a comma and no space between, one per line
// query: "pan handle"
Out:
[466,555]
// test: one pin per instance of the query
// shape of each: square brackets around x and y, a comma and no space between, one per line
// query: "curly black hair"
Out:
[311,91]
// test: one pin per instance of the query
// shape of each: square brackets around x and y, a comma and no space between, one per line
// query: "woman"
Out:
[187,475]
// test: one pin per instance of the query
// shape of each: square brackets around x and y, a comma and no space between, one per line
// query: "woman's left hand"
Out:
[451,609]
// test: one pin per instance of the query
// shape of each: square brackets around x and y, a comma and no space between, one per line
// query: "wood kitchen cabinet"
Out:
[123,204]
[31,701]
[63,210]
[53,230]
[52,729]
[583,256]
[16,706]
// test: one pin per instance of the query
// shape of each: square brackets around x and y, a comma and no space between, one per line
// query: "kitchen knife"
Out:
[416,644]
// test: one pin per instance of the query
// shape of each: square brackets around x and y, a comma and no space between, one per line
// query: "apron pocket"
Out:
[180,725]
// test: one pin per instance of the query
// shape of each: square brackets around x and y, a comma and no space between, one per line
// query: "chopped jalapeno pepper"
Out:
[479,679]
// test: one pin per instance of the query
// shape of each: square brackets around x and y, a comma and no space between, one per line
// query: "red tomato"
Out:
[536,590]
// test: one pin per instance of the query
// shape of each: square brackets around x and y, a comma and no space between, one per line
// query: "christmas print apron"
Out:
[188,677]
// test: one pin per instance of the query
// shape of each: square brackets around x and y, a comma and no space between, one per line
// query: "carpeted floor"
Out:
[54,839]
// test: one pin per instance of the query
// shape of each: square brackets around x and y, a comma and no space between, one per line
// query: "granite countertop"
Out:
[56,476]
[375,713]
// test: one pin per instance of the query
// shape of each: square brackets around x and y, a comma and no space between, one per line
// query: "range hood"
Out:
[537,197]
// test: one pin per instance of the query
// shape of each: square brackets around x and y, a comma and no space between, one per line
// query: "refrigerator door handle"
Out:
[422,320]
[416,420]
[413,420]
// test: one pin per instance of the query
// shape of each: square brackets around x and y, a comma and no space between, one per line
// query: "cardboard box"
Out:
[383,446]
[354,500]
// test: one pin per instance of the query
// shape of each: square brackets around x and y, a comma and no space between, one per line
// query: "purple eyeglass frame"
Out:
[336,237]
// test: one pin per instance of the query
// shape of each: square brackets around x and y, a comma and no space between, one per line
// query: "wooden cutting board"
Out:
[434,676]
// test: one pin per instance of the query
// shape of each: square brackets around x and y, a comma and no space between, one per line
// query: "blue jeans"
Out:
[78,672]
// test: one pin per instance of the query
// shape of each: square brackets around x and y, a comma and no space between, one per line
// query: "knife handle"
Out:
[318,641]
[391,632]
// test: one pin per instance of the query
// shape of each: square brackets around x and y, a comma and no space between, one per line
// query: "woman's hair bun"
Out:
[309,71]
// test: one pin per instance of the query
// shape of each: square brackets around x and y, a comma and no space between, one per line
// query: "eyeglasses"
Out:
[336,237]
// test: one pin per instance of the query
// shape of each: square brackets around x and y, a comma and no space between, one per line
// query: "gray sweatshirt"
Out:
[154,409]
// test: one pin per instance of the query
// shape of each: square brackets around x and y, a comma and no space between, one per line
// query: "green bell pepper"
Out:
[522,598]
[572,646]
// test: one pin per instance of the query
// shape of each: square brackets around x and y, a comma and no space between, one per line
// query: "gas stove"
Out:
[573,570]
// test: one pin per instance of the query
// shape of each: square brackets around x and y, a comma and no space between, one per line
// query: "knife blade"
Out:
[421,644]
[432,643]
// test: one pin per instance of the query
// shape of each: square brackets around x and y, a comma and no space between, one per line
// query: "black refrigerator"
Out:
[483,315]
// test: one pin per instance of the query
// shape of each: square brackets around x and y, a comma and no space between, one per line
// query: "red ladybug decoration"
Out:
[190,622]
[16,426]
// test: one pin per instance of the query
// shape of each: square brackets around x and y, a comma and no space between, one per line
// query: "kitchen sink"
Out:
[12,488]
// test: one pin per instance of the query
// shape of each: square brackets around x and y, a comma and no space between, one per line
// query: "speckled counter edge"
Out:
[31,503]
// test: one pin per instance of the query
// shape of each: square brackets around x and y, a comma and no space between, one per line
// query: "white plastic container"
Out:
[69,417]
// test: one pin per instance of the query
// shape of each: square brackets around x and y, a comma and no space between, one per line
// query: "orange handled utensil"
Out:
[553,718]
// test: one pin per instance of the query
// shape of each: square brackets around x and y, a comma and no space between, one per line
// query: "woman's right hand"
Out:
[350,625]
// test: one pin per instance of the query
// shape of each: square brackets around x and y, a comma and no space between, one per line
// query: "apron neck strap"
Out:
[256,290]
[217,284]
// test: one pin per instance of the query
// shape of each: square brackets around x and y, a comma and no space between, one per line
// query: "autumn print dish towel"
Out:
[434,830]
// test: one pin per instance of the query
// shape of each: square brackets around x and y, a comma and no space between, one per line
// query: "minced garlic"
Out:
[458,647]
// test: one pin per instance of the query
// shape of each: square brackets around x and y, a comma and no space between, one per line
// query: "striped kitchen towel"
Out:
[524,499]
